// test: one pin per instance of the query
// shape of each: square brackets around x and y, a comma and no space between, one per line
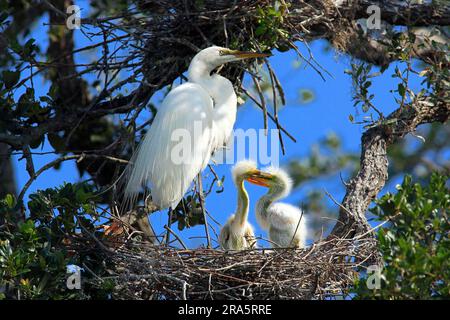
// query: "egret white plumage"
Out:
[203,110]
[285,223]
[237,233]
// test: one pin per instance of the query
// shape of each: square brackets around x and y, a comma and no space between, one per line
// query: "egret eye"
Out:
[222,52]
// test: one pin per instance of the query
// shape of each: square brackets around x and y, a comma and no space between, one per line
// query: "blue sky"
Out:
[309,123]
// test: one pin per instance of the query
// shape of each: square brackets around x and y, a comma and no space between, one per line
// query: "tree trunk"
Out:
[7,179]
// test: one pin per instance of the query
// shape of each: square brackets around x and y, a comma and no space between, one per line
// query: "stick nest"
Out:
[326,269]
[165,35]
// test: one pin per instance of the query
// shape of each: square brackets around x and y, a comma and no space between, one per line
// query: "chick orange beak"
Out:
[260,178]
[248,54]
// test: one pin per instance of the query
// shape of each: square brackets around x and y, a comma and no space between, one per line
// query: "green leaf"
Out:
[360,70]
[401,89]
[10,200]
[29,47]
[261,29]
[10,78]
[306,96]
[15,46]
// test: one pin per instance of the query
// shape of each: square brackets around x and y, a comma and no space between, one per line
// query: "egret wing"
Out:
[176,148]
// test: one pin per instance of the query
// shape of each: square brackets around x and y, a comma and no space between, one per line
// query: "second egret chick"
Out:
[285,223]
[237,233]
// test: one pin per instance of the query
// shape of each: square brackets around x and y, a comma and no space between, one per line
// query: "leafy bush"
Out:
[35,253]
[415,247]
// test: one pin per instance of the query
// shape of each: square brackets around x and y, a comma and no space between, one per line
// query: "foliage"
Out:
[360,74]
[269,31]
[434,76]
[35,253]
[416,245]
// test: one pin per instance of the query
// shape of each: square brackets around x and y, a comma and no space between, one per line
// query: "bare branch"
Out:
[373,172]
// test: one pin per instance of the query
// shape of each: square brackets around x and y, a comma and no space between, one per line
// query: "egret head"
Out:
[243,170]
[215,56]
[274,178]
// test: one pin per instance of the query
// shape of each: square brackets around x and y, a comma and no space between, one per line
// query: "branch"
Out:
[55,162]
[373,173]
[399,12]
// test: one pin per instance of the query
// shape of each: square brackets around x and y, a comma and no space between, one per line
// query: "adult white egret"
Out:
[203,110]
[285,223]
[237,233]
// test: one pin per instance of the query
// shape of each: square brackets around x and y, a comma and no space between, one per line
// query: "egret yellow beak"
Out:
[248,55]
[260,178]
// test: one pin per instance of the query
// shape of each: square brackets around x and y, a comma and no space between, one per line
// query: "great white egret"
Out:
[237,233]
[204,110]
[285,223]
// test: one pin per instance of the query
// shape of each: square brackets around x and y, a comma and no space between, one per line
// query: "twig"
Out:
[296,228]
[176,236]
[262,102]
[268,113]
[100,244]
[275,105]
[58,161]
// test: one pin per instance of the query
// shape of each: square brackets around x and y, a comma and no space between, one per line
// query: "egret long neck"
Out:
[222,92]
[199,70]
[241,215]
[275,193]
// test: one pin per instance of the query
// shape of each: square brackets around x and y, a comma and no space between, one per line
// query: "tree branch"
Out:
[373,173]
[399,12]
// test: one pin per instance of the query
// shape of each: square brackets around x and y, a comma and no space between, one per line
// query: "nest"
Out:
[326,269]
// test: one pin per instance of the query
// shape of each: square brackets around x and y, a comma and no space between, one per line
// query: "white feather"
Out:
[153,165]
[241,168]
[287,225]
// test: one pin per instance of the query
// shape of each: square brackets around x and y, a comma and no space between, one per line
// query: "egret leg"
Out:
[169,222]
[202,206]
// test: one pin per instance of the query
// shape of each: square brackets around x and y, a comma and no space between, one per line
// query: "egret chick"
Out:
[237,233]
[285,223]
